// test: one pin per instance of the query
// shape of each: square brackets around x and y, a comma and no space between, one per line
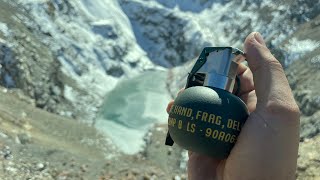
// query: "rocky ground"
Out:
[309,160]
[35,144]
[304,78]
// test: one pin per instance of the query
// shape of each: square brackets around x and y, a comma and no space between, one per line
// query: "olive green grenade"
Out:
[206,117]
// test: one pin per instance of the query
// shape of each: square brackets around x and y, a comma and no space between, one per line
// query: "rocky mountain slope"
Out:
[35,144]
[86,50]
[69,56]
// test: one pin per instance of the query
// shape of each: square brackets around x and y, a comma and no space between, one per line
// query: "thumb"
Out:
[271,85]
[269,140]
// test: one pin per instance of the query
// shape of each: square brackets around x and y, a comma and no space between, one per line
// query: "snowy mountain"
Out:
[173,32]
[79,58]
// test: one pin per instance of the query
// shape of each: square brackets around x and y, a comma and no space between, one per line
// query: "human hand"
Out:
[267,147]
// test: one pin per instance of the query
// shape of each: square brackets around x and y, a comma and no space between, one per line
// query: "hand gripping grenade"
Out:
[206,117]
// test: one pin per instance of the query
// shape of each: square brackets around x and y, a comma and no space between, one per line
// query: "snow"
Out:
[94,42]
[184,160]
[4,29]
[187,5]
[315,61]
[295,49]
[105,47]
[174,32]
[78,28]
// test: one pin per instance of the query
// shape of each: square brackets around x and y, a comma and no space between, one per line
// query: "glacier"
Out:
[123,60]
[132,107]
[94,44]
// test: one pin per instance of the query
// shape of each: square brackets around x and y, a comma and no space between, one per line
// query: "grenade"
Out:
[206,117]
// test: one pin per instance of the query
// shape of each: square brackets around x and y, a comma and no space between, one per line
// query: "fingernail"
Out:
[259,38]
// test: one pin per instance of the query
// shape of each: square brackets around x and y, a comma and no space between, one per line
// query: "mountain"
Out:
[113,64]
[86,48]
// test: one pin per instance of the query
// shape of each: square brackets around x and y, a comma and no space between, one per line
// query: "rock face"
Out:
[164,34]
[67,54]
[173,32]
[303,76]
[26,63]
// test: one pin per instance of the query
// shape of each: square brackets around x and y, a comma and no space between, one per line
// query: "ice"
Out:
[127,140]
[132,107]
[105,47]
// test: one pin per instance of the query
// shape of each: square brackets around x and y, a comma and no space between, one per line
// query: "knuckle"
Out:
[288,109]
[271,61]
[267,61]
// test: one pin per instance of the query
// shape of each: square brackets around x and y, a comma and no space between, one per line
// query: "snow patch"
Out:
[187,5]
[315,61]
[295,49]
[184,160]
[4,29]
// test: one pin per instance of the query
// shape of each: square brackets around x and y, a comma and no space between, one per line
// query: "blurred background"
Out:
[85,83]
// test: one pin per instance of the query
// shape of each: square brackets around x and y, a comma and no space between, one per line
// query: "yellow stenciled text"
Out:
[172,121]
[180,124]
[220,135]
[182,111]
[191,127]
[233,124]
[206,117]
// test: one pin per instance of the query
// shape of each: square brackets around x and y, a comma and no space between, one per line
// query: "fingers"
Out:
[247,92]
[250,99]
[246,80]
[169,106]
[180,91]
[172,101]
[271,85]
[270,136]
[204,167]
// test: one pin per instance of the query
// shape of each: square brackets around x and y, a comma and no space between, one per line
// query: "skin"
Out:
[267,147]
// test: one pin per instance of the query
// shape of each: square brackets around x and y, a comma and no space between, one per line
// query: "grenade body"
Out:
[207,120]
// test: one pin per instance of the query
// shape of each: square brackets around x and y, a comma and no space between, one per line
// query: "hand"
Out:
[267,147]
